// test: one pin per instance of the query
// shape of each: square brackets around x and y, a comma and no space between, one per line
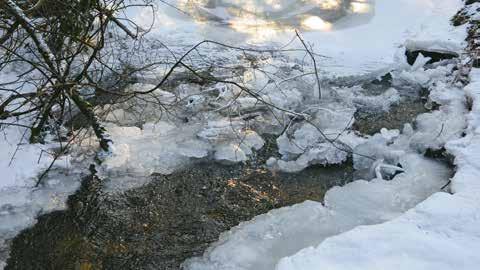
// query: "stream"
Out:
[175,217]
[170,218]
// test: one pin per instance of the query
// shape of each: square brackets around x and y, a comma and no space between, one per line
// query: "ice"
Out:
[412,23]
[323,140]
[261,242]
[326,139]
[432,45]
[417,74]
[341,232]
[165,146]
[378,147]
[434,129]
[434,235]
[356,96]
[146,142]
[232,141]
[322,153]
[440,233]
[157,148]
[132,111]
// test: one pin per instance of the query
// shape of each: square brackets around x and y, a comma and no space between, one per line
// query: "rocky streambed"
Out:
[168,220]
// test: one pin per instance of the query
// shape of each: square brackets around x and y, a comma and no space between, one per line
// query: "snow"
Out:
[20,201]
[20,165]
[403,223]
[466,149]
[394,23]
[391,26]
[261,242]
[435,235]
[382,224]
[377,48]
[439,233]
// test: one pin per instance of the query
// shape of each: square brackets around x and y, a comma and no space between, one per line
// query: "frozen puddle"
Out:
[263,241]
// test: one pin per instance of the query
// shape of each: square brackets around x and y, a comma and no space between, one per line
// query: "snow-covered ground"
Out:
[352,46]
[439,233]
[442,232]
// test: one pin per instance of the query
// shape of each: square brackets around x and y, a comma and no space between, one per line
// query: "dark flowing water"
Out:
[161,224]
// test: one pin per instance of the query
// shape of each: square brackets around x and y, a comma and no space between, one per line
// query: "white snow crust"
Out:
[440,233]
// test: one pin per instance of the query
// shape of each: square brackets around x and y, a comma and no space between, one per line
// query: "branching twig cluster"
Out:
[68,51]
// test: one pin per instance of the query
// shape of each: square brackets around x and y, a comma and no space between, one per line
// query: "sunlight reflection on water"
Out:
[263,20]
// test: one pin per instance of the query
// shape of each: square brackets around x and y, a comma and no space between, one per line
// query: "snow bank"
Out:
[440,233]
[20,201]
[19,160]
[20,165]
[434,235]
[261,242]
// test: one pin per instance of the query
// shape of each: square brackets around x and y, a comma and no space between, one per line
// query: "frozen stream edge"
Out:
[286,238]
[261,242]
[438,233]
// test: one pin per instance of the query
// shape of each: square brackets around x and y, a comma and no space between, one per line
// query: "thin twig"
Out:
[309,51]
